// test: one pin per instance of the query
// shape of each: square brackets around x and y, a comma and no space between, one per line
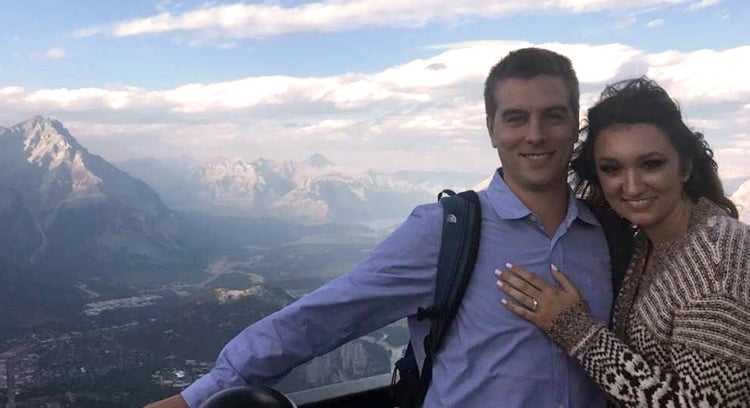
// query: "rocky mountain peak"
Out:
[229,174]
[318,160]
[47,140]
[77,203]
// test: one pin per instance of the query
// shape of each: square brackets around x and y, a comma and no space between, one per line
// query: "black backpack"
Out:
[458,253]
[459,244]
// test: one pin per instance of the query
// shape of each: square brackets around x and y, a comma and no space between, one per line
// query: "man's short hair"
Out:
[527,63]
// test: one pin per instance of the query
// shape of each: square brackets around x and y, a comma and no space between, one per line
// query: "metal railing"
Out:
[369,392]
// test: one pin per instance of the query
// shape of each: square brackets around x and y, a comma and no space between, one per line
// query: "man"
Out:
[490,357]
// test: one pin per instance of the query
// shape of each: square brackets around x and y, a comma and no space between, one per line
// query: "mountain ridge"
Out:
[73,203]
[315,190]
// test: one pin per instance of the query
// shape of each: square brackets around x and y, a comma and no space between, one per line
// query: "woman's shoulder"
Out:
[709,218]
[726,242]
[726,233]
[717,247]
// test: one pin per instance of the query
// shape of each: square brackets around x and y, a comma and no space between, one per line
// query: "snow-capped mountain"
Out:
[314,190]
[236,186]
[350,197]
[61,203]
[741,198]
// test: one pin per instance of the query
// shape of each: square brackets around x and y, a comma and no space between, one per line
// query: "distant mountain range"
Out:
[64,208]
[312,191]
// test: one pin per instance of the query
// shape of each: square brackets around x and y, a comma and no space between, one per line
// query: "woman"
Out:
[680,335]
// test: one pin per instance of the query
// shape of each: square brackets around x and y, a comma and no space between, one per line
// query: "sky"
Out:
[380,84]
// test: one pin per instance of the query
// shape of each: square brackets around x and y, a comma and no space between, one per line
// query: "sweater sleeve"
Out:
[708,364]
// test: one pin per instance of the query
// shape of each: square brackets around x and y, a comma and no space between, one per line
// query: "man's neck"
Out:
[550,204]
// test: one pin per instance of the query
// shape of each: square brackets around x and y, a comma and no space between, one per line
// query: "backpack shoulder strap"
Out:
[462,220]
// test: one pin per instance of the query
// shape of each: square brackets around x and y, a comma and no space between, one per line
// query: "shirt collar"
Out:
[583,212]
[508,206]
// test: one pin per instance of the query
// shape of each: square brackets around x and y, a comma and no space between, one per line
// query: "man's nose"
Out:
[536,133]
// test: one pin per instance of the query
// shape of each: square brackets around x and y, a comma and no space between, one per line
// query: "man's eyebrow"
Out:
[512,111]
[522,111]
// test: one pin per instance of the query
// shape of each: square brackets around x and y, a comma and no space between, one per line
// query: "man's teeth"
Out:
[536,156]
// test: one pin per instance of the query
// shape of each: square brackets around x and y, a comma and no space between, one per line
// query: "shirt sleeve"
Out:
[396,278]
[708,363]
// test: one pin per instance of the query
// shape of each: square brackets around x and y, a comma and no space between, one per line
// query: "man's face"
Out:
[533,130]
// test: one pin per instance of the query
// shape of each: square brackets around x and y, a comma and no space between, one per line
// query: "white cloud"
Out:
[702,4]
[655,23]
[11,90]
[55,53]
[82,99]
[88,32]
[167,5]
[705,76]
[421,114]
[242,20]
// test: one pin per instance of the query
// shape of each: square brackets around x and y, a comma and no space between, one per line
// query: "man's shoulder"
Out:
[427,211]
[430,215]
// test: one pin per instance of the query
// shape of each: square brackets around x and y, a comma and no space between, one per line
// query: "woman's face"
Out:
[640,174]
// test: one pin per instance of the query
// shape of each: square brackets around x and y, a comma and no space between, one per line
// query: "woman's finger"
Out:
[563,280]
[528,276]
[519,297]
[519,310]
[517,282]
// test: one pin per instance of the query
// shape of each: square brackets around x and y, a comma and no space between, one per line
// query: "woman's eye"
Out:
[652,164]
[607,169]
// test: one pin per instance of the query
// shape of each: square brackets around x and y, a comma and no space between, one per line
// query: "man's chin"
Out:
[539,184]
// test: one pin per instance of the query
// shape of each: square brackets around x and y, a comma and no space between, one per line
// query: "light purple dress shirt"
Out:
[490,358]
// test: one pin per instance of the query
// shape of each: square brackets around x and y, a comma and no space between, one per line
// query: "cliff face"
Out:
[354,360]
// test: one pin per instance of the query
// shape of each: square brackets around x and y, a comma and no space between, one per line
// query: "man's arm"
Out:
[397,278]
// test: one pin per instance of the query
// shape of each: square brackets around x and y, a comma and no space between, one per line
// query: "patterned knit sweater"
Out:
[681,331]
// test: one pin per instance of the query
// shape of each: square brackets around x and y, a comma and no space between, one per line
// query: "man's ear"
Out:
[490,129]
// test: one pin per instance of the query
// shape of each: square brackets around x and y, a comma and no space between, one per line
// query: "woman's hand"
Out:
[534,299]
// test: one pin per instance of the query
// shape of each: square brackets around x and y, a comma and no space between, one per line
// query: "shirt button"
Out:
[533,218]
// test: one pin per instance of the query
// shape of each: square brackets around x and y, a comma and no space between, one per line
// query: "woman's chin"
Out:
[640,220]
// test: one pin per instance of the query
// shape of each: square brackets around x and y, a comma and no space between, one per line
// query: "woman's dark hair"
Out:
[641,100]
